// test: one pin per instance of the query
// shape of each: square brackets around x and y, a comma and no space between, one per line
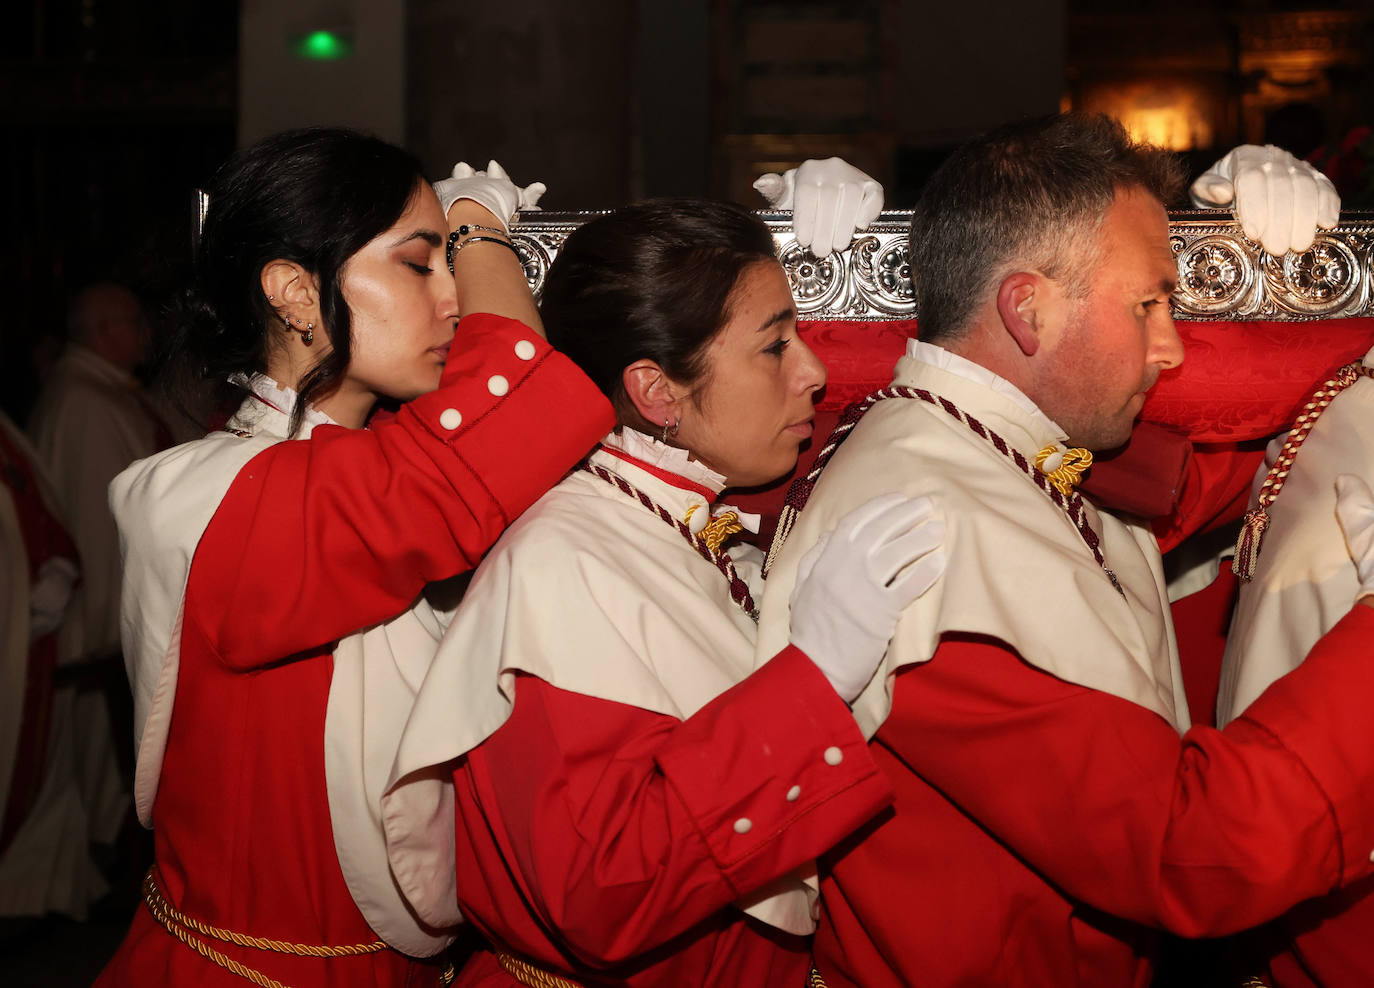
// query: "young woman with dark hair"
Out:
[322,285]
[637,818]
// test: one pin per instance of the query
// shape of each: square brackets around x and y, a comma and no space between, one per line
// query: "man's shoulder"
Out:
[913,448]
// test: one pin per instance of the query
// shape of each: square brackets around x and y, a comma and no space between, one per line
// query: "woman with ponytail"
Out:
[322,286]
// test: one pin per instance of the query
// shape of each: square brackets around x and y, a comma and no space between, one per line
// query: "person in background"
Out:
[45,859]
[92,420]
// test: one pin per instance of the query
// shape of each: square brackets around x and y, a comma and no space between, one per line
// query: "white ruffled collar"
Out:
[673,459]
[632,454]
[278,399]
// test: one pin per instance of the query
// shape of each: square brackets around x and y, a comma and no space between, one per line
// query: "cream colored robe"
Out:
[88,425]
[1018,570]
[596,595]
[368,701]
[187,483]
[1304,578]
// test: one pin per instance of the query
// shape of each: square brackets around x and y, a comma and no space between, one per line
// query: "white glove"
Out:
[491,188]
[830,199]
[1355,512]
[854,583]
[49,596]
[1279,200]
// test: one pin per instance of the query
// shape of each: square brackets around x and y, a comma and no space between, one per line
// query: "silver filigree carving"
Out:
[882,272]
[1221,273]
[815,281]
[1215,275]
[1317,282]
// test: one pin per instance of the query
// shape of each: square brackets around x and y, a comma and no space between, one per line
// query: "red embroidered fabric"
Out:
[1248,380]
[1240,381]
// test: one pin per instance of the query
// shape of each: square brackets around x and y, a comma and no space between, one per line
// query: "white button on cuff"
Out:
[794,794]
[450,419]
[699,518]
[743,825]
[1371,855]
[833,755]
[497,385]
[524,350]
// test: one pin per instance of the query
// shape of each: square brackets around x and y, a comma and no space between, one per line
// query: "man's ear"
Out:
[653,393]
[291,290]
[1021,300]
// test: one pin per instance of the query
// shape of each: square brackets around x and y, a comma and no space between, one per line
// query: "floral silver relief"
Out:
[1215,275]
[1222,274]
[882,272]
[1317,282]
[536,251]
[815,281]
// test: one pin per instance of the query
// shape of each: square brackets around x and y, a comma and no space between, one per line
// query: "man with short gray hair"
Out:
[1054,808]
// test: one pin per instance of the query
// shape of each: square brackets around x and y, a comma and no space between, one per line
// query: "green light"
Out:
[323,46]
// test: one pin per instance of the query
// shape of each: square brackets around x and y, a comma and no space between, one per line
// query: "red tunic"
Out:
[1043,830]
[315,540]
[599,840]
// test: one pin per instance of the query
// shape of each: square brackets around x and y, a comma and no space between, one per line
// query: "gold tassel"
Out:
[1248,545]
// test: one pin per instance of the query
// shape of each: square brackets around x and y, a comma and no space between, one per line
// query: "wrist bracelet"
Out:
[455,245]
[452,247]
[466,228]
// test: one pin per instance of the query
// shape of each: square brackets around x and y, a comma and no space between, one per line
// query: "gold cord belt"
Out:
[185,928]
[527,974]
[534,977]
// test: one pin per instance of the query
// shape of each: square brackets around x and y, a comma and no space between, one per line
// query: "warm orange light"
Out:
[1170,127]
[1171,115]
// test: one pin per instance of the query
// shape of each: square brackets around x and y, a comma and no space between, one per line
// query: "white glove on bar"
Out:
[491,188]
[1279,200]
[830,199]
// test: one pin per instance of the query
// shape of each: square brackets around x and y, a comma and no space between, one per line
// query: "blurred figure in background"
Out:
[92,420]
[44,866]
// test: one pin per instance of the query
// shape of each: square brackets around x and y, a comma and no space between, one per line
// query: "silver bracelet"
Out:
[455,245]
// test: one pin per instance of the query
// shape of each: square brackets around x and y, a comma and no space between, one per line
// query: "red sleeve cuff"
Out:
[515,411]
[795,756]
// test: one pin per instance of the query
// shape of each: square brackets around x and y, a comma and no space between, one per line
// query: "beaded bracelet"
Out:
[467,228]
[455,245]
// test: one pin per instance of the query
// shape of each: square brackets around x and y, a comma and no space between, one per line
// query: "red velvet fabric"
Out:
[1235,384]
[1239,380]
[859,357]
